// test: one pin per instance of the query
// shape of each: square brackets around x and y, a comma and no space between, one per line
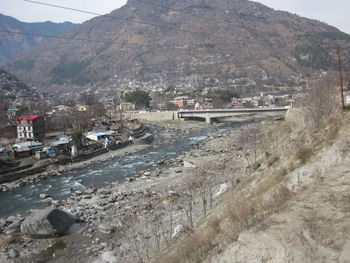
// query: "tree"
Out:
[88,99]
[98,110]
[222,97]
[77,136]
[169,89]
[139,97]
[172,106]
[322,102]
[3,108]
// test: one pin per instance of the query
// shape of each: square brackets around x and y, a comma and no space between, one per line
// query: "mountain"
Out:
[13,89]
[228,42]
[12,45]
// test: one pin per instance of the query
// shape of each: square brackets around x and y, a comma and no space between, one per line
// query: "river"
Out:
[97,175]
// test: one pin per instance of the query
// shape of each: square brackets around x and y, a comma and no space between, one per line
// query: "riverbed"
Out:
[97,175]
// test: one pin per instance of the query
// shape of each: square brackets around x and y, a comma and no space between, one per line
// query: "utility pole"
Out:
[341,77]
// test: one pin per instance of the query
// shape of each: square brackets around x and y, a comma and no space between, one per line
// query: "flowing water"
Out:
[97,175]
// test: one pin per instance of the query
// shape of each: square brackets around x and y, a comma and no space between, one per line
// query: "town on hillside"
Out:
[76,127]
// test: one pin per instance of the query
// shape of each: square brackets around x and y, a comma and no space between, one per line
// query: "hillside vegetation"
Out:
[13,45]
[219,39]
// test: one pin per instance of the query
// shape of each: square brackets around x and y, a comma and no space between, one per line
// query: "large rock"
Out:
[188,164]
[49,222]
[108,257]
[105,228]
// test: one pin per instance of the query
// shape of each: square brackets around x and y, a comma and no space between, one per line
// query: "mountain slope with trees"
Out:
[220,39]
[12,45]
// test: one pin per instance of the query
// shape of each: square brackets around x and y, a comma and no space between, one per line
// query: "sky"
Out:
[332,12]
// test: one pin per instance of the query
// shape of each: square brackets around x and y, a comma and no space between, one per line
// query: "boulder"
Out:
[147,173]
[177,170]
[14,227]
[3,222]
[13,253]
[105,228]
[177,230]
[108,257]
[43,196]
[223,189]
[90,191]
[49,222]
[188,164]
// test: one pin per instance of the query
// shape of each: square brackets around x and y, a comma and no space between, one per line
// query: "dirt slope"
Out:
[314,225]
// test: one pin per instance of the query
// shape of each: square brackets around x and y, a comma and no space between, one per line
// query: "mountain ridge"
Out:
[236,39]
[30,35]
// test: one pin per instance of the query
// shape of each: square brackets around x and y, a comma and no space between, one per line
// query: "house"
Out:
[30,127]
[182,101]
[26,149]
[100,136]
[82,108]
[61,143]
[11,113]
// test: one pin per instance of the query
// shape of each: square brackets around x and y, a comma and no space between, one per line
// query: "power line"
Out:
[141,22]
[121,19]
[147,23]
[190,50]
[60,37]
[101,41]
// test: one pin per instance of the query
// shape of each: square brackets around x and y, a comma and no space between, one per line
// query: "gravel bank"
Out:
[112,214]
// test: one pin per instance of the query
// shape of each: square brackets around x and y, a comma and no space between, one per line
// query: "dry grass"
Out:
[255,201]
[7,241]
[243,210]
[304,154]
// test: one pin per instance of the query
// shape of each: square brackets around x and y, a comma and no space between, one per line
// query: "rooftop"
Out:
[28,117]
[26,144]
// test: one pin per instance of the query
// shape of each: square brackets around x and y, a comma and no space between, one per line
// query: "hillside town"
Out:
[39,127]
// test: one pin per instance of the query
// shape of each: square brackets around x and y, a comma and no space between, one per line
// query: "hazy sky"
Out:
[333,12]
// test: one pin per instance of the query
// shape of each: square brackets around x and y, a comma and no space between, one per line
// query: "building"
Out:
[100,136]
[11,113]
[26,149]
[61,142]
[182,101]
[30,127]
[127,106]
[82,108]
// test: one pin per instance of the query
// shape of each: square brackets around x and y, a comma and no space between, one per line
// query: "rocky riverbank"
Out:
[164,133]
[112,213]
[57,170]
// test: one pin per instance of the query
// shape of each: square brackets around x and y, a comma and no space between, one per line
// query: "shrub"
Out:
[305,154]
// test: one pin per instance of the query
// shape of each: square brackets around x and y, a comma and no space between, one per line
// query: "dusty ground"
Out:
[314,224]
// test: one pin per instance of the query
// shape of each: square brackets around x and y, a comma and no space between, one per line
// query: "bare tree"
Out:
[156,227]
[230,173]
[252,143]
[322,102]
[139,242]
[188,200]
[169,221]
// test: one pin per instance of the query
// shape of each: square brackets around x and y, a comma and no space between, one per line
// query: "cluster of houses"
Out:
[31,139]
[263,101]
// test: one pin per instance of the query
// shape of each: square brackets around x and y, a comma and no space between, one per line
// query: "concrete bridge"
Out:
[214,114]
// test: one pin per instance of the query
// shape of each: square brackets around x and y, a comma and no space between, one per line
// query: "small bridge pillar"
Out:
[208,120]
